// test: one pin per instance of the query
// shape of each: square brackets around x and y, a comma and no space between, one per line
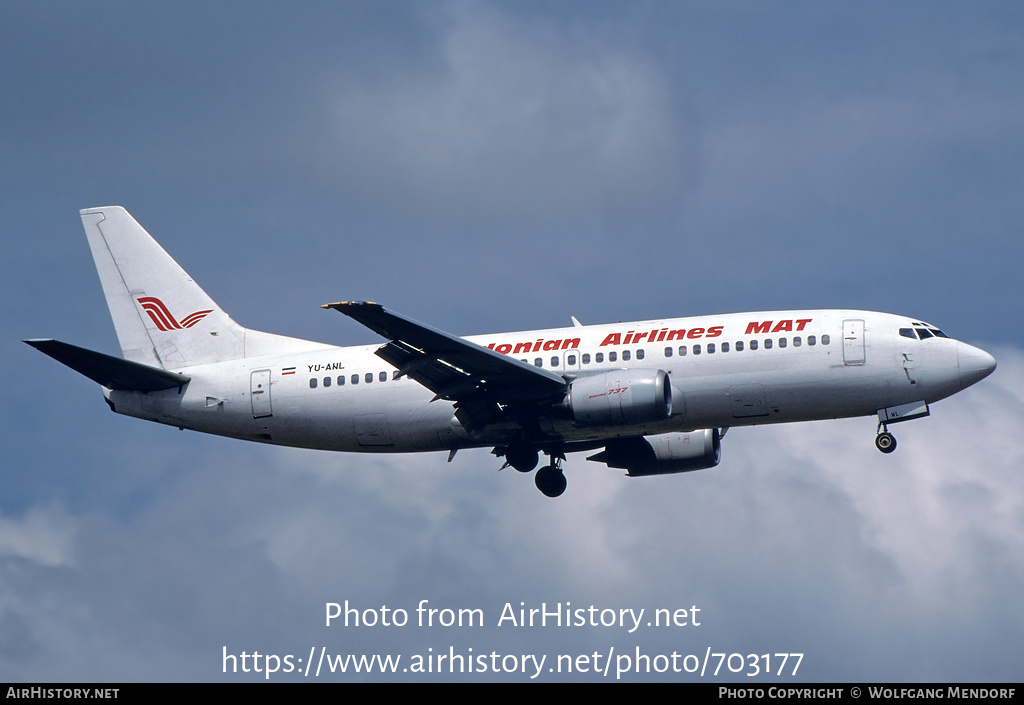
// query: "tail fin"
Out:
[162,317]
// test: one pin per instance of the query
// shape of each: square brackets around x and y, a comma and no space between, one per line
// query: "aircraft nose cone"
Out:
[975,364]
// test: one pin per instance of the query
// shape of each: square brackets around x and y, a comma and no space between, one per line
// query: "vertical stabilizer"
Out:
[162,317]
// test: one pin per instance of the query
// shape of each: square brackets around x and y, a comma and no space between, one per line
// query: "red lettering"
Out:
[801,322]
[755,327]
[783,326]
[714,331]
[612,339]
[695,333]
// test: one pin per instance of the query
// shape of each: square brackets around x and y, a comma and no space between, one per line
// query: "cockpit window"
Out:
[923,331]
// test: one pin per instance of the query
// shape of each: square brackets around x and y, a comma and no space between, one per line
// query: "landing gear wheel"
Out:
[523,459]
[550,480]
[885,442]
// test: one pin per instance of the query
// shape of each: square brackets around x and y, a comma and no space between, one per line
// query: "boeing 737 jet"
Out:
[650,397]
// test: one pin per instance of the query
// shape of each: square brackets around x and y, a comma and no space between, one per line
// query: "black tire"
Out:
[522,458]
[885,442]
[550,480]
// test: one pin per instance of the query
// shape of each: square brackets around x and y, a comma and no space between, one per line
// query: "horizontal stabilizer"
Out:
[109,371]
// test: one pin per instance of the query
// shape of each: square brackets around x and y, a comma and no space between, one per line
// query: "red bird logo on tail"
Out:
[163,318]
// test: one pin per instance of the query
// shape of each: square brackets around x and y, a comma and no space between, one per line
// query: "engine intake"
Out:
[621,397]
[664,453]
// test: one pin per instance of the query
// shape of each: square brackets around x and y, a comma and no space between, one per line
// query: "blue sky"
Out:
[499,166]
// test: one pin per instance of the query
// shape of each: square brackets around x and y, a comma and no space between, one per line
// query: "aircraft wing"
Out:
[452,367]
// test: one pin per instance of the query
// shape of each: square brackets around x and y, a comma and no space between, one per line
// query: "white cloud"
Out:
[525,120]
[44,536]
[950,491]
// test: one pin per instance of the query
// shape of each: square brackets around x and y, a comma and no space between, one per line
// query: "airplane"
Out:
[651,397]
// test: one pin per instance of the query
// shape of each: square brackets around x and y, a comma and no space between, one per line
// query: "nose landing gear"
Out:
[885,441]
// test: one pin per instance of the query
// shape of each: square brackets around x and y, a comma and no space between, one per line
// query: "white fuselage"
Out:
[725,370]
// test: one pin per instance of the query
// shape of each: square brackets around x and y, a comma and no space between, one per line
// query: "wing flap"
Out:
[109,371]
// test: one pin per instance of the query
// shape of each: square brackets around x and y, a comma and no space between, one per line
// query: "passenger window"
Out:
[639,354]
[599,357]
[668,352]
[682,351]
[369,377]
[554,360]
[711,348]
[739,346]
[825,339]
[767,343]
[625,355]
[571,360]
[696,349]
[538,362]
[355,379]
[796,342]
[725,347]
[383,376]
[586,358]
[782,342]
[327,381]
[753,345]
[341,380]
[312,382]
[811,340]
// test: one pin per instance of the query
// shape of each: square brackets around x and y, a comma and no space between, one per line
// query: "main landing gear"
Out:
[550,480]
[524,458]
[885,441]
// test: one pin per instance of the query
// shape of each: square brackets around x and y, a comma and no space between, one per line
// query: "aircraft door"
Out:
[853,341]
[259,392]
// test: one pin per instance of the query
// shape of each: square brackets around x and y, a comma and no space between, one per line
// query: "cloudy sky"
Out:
[500,166]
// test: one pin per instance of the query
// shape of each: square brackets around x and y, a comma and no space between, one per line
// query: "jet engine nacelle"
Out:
[664,453]
[621,397]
